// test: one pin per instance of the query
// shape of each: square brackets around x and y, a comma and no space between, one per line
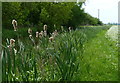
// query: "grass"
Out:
[100,60]
[80,55]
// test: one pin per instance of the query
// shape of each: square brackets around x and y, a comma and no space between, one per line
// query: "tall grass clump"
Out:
[69,54]
[43,58]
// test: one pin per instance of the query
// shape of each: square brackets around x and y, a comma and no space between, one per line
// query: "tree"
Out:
[77,16]
[10,11]
[37,14]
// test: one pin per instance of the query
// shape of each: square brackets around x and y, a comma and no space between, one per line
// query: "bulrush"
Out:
[12,42]
[51,39]
[55,33]
[37,34]
[45,27]
[45,33]
[40,35]
[14,22]
[15,51]
[69,29]
[29,31]
[30,36]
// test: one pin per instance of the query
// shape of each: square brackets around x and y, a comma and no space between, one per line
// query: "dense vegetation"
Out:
[56,53]
[80,55]
[37,14]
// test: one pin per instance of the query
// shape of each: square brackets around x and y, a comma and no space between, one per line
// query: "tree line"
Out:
[55,15]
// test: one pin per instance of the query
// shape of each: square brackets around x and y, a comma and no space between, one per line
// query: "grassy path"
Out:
[113,33]
[100,62]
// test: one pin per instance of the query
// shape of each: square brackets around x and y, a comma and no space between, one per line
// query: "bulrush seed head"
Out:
[37,34]
[55,33]
[69,28]
[14,22]
[15,51]
[40,35]
[29,31]
[45,27]
[45,33]
[12,42]
[30,36]
[51,39]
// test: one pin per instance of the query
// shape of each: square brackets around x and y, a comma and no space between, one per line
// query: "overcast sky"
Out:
[108,9]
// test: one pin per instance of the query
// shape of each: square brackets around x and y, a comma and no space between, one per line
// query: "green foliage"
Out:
[89,20]
[57,60]
[101,56]
[77,16]
[10,11]
[23,33]
[32,14]
[69,55]
[72,56]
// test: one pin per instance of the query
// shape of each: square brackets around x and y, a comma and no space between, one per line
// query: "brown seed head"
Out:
[12,42]
[40,35]
[37,34]
[45,33]
[45,27]
[14,22]
[51,39]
